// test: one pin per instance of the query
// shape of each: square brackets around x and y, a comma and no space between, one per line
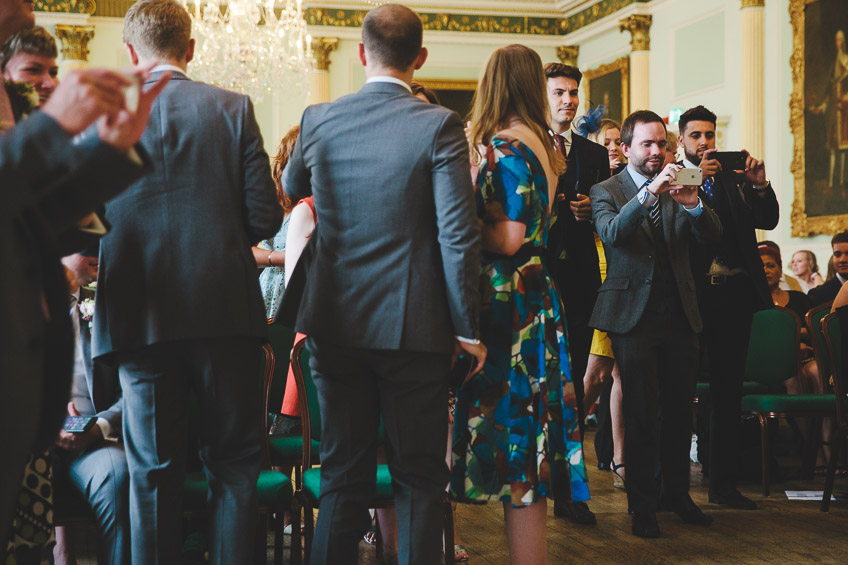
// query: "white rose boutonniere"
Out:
[86,308]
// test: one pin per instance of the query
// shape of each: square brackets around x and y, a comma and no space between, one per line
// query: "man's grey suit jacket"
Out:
[623,226]
[397,262]
[178,262]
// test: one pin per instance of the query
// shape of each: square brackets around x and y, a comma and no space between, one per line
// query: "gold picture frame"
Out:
[819,206]
[453,93]
[609,84]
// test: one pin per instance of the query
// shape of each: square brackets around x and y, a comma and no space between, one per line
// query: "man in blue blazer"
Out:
[392,291]
[648,306]
[178,307]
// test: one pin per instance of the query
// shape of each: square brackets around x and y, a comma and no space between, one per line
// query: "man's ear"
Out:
[625,150]
[133,55]
[190,51]
[422,56]
[362,58]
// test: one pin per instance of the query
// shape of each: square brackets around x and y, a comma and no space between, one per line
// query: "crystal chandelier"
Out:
[255,47]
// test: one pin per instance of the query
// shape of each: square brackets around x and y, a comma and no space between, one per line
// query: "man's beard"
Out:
[647,168]
[694,159]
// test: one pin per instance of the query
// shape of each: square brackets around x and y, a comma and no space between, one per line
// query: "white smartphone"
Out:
[132,93]
[690,177]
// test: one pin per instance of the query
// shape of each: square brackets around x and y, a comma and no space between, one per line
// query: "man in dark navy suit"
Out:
[827,291]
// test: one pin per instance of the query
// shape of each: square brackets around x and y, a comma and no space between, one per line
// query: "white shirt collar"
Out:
[566,135]
[638,178]
[689,164]
[167,67]
[392,80]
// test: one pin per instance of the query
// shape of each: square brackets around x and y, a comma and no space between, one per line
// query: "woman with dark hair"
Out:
[270,254]
[517,419]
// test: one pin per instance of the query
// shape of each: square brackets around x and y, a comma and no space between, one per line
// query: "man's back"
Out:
[391,183]
[177,263]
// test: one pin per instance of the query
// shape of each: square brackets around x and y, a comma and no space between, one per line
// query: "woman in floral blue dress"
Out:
[518,415]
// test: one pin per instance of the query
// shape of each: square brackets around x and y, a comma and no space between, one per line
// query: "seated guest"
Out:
[270,254]
[786,282]
[94,462]
[828,291]
[806,269]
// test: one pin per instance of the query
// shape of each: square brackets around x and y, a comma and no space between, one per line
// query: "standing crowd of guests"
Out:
[563,270]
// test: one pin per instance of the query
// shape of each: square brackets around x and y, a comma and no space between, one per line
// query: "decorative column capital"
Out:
[753,4]
[639,26]
[74,40]
[567,54]
[322,47]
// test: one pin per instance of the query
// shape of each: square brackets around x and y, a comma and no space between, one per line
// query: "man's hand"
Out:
[84,96]
[581,208]
[755,171]
[84,268]
[478,350]
[663,181]
[78,442]
[709,166]
[123,129]
[687,196]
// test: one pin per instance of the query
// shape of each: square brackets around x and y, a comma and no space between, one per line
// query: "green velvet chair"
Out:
[773,357]
[308,496]
[832,329]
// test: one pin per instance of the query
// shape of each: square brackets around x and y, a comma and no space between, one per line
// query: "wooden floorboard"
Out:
[781,531]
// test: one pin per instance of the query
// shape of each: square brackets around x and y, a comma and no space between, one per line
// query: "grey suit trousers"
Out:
[159,382]
[410,390]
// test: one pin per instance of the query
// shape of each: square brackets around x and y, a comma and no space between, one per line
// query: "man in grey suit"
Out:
[47,184]
[178,306]
[648,305]
[94,462]
[392,289]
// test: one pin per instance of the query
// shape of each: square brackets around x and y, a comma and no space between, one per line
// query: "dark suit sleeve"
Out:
[264,213]
[459,229]
[33,155]
[706,227]
[615,227]
[764,207]
[297,179]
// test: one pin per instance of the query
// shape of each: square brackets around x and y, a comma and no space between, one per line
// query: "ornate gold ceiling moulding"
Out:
[66,6]
[567,54]
[639,26]
[753,4]
[594,13]
[74,41]
[321,49]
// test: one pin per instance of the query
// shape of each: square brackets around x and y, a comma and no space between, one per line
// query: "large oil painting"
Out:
[609,85]
[455,94]
[819,116]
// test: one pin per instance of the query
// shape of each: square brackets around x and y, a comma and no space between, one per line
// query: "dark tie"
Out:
[708,186]
[654,212]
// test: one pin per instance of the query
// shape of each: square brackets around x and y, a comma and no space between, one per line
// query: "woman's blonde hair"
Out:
[513,85]
[279,162]
[606,123]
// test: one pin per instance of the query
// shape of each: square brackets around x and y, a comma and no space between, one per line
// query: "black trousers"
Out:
[727,311]
[658,361]
[410,390]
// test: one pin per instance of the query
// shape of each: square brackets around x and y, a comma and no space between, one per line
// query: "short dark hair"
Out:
[637,117]
[697,114]
[554,70]
[429,94]
[33,41]
[841,237]
[393,34]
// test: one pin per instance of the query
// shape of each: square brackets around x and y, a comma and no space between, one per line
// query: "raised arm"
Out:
[615,227]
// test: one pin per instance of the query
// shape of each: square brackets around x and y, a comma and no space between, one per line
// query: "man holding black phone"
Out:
[731,285]
[572,254]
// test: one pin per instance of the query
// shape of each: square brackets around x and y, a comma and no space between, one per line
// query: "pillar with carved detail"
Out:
[751,125]
[319,77]
[568,54]
[74,41]
[639,26]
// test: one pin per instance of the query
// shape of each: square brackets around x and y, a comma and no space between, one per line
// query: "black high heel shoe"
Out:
[618,482]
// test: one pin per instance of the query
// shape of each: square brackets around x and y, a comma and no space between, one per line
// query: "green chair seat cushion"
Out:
[312,482]
[289,448]
[273,489]
[789,403]
[748,387]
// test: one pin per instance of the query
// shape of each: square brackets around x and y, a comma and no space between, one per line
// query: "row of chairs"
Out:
[773,357]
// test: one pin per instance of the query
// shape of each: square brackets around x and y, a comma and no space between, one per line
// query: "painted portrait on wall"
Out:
[454,94]
[819,116]
[609,85]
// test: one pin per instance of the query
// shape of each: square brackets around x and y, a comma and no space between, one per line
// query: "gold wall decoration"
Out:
[65,6]
[609,85]
[74,41]
[818,124]
[594,13]
[639,26]
[453,93]
[753,3]
[322,47]
[567,54]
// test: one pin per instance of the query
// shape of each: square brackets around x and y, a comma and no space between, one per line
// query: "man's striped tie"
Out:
[654,212]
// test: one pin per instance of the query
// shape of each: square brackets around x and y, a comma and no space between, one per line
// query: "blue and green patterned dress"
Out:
[518,415]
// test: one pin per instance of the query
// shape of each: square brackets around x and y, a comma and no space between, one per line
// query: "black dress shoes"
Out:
[733,499]
[577,512]
[688,511]
[644,525]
